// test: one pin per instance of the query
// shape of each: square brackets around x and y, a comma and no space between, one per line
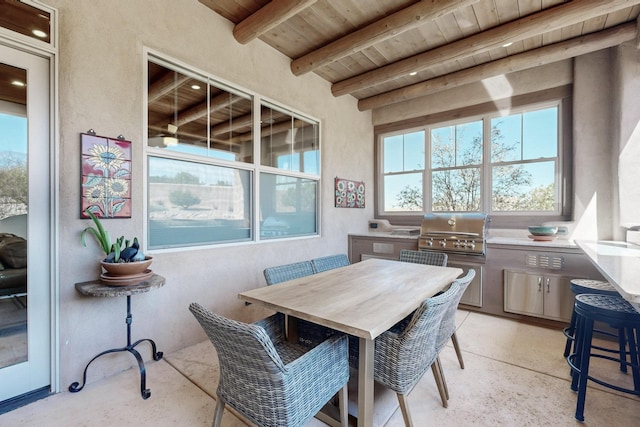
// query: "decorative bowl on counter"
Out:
[543,230]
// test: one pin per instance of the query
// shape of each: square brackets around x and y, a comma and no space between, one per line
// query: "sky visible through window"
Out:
[13,133]
[532,135]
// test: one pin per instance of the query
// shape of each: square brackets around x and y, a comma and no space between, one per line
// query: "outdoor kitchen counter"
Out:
[387,235]
[498,240]
[525,241]
[619,262]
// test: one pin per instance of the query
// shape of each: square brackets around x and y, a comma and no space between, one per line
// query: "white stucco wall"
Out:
[101,86]
[592,146]
[626,135]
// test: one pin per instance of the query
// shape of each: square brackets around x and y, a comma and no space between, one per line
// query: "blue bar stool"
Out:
[589,286]
[618,313]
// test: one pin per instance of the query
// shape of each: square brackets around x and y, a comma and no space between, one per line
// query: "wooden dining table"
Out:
[363,299]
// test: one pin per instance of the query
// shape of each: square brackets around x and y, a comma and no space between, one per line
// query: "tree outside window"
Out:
[523,163]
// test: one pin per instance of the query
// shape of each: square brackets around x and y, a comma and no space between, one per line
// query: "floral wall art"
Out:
[106,176]
[349,194]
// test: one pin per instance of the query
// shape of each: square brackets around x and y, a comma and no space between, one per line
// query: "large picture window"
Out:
[499,164]
[211,178]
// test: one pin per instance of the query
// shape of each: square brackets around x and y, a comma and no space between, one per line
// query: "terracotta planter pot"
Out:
[126,268]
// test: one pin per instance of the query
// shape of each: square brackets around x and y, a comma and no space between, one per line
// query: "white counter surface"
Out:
[525,241]
[619,262]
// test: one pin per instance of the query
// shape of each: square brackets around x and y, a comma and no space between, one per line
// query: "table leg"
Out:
[157,355]
[365,383]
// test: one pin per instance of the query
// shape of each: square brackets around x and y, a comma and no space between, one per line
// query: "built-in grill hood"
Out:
[455,233]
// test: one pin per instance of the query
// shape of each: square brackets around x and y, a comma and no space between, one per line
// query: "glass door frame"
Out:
[48,51]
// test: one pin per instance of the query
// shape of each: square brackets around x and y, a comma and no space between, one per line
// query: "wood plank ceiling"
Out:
[387,51]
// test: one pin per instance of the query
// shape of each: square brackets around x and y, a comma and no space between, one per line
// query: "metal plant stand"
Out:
[98,289]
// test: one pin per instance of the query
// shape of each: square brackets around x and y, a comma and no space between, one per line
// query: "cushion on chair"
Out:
[13,251]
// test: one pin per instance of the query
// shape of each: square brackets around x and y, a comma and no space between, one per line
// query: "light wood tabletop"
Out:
[363,299]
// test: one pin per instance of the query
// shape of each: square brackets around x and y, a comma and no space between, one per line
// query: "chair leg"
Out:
[622,343]
[442,378]
[634,357]
[404,407]
[439,382]
[569,332]
[343,405]
[217,416]
[456,346]
[585,355]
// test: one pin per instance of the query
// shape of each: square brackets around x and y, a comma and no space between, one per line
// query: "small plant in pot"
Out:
[119,260]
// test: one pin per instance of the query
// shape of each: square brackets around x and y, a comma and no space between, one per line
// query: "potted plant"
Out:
[119,260]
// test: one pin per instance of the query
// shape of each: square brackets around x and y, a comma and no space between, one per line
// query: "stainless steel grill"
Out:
[463,233]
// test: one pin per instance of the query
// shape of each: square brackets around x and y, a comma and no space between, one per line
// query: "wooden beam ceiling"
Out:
[384,29]
[529,59]
[268,17]
[370,48]
[547,20]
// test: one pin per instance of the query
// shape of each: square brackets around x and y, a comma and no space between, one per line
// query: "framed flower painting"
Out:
[106,176]
[349,194]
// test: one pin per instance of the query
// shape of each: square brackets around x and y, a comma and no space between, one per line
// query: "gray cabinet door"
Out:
[473,294]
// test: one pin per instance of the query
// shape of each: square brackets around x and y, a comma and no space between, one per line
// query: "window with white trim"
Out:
[211,178]
[499,164]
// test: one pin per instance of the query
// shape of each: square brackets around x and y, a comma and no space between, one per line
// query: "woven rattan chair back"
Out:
[402,358]
[448,325]
[282,273]
[424,257]
[329,262]
[268,380]
[448,330]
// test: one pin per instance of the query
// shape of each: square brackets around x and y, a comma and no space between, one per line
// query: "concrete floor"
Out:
[514,375]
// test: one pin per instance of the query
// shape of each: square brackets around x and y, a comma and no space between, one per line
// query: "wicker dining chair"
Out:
[329,262]
[406,351]
[424,257]
[448,330]
[309,334]
[268,380]
[282,273]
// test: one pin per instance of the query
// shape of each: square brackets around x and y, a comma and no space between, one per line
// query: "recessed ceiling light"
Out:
[413,73]
[195,87]
[39,33]
[507,44]
[18,83]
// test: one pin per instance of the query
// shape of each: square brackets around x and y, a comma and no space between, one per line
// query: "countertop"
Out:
[497,240]
[525,241]
[619,262]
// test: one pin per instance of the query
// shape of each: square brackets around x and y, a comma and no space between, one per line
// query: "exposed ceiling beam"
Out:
[268,17]
[376,32]
[530,59]
[165,84]
[550,19]
[236,123]
[198,111]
